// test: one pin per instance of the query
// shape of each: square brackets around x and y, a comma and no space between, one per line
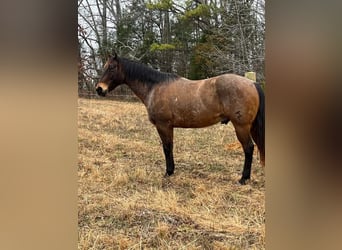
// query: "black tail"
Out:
[258,126]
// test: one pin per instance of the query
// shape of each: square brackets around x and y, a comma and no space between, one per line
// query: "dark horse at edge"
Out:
[173,101]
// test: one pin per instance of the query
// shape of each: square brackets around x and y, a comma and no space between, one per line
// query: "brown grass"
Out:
[126,203]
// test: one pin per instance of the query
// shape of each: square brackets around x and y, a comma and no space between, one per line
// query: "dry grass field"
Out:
[124,202]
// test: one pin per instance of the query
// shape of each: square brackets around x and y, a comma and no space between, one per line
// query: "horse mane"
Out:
[138,71]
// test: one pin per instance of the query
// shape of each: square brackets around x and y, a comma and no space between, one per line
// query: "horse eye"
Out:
[111,67]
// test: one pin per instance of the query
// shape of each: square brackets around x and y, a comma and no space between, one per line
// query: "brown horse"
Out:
[173,101]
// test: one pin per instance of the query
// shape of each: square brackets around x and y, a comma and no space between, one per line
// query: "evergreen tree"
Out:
[195,39]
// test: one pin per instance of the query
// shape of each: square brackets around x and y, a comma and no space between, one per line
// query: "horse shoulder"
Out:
[157,105]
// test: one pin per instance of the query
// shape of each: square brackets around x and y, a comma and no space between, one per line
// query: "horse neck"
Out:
[142,79]
[140,89]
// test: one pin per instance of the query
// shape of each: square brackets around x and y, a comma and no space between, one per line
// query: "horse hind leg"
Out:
[258,140]
[243,135]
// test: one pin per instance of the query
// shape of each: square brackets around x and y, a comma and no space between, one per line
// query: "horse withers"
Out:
[173,101]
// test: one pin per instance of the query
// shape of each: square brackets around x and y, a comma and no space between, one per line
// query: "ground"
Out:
[125,202]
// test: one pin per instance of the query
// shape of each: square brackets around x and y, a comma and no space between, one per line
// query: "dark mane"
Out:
[137,71]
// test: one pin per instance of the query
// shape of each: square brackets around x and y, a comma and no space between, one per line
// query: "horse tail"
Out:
[258,126]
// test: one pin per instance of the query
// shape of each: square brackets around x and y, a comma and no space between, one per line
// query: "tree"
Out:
[196,39]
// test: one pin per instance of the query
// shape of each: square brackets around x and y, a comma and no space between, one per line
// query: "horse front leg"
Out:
[166,136]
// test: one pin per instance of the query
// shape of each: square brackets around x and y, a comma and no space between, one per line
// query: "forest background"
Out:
[195,39]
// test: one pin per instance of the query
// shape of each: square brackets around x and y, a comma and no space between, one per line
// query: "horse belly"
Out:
[194,116]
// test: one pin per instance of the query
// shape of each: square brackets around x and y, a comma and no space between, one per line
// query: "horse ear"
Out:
[114,55]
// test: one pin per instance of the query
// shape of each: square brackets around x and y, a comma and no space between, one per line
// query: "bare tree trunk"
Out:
[118,11]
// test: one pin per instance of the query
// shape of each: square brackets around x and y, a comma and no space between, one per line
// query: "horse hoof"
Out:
[167,174]
[242,181]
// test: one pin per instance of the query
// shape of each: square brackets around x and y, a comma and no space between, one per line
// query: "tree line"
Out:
[195,39]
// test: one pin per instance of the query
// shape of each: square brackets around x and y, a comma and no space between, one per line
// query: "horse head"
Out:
[112,76]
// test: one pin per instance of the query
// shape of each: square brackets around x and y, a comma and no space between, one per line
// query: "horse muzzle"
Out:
[101,90]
